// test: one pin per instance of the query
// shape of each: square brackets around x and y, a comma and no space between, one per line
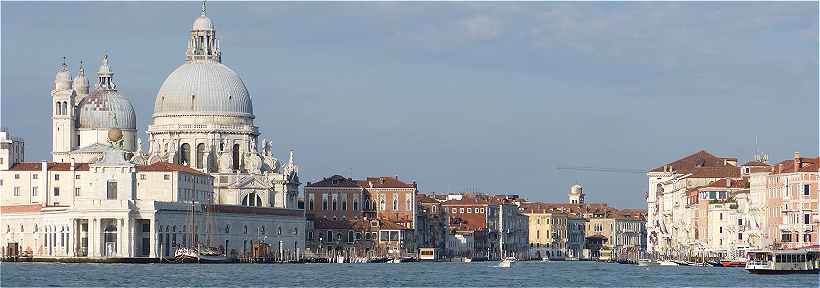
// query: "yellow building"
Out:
[547,231]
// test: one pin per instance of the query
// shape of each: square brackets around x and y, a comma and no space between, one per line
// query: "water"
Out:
[405,274]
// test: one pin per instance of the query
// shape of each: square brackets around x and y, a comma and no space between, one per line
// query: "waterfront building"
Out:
[387,198]
[102,196]
[669,227]
[431,225]
[507,231]
[548,233]
[359,238]
[576,236]
[719,222]
[792,216]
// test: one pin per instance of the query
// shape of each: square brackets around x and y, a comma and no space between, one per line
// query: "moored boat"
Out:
[733,263]
[647,262]
[782,261]
[667,263]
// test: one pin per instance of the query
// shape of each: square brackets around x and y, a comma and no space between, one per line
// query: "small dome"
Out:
[576,189]
[105,109]
[114,134]
[203,23]
[62,81]
[203,88]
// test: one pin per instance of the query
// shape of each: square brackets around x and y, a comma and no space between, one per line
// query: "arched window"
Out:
[185,154]
[235,156]
[355,205]
[395,204]
[409,205]
[252,199]
[382,203]
[200,156]
[57,107]
[65,108]
[227,229]
[350,236]
[279,231]
[246,229]
[329,236]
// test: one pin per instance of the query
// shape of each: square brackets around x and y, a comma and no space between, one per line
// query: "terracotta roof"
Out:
[702,164]
[422,198]
[370,182]
[384,182]
[169,167]
[335,181]
[755,163]
[806,165]
[52,166]
[733,183]
[466,202]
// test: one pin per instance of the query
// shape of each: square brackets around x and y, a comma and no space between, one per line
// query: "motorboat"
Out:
[647,262]
[782,261]
[668,263]
[506,262]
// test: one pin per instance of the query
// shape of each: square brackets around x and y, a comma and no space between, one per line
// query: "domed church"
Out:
[203,118]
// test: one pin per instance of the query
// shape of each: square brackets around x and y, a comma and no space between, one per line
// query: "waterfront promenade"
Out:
[474,274]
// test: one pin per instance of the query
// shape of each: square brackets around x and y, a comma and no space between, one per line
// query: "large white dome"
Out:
[203,88]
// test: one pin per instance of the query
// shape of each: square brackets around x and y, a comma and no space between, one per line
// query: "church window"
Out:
[200,155]
[235,157]
[185,154]
[111,190]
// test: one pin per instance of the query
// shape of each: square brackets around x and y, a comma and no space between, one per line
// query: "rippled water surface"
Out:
[405,274]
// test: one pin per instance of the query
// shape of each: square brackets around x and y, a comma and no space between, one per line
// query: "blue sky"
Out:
[458,95]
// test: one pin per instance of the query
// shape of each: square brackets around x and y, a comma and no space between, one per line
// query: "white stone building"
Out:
[102,196]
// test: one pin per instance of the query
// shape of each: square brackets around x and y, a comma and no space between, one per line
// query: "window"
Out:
[200,155]
[739,236]
[56,191]
[739,221]
[310,203]
[111,190]
[455,210]
[355,205]
[34,191]
[807,238]
[721,229]
[329,236]
[235,157]
[335,200]
[185,154]
[461,210]
[77,176]
[806,190]
[470,210]
[350,236]
[166,177]
[33,176]
[16,176]
[344,204]
[56,177]
[721,216]
[395,203]
[324,201]
[482,210]
[142,176]
[806,218]
[16,191]
[77,191]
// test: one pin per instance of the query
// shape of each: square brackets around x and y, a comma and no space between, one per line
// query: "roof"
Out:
[52,166]
[729,183]
[755,163]
[702,164]
[369,182]
[805,165]
[169,167]
[422,198]
[21,208]
[208,88]
[335,181]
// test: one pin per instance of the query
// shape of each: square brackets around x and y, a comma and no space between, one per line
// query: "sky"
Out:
[458,96]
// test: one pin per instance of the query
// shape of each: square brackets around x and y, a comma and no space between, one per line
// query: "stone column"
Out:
[93,238]
[153,239]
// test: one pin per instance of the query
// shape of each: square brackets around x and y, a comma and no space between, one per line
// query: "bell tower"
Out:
[576,194]
[63,115]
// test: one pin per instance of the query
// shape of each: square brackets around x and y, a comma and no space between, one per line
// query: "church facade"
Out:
[202,179]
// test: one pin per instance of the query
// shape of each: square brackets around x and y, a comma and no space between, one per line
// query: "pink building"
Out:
[792,201]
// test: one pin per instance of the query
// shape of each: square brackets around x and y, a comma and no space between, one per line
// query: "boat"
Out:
[198,253]
[395,260]
[782,261]
[506,262]
[466,259]
[545,259]
[646,262]
[340,259]
[668,263]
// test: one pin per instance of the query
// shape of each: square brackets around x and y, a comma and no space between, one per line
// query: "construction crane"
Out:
[601,169]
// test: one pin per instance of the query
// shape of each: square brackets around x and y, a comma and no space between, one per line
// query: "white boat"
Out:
[668,263]
[395,260]
[505,262]
[466,259]
[193,255]
[340,259]
[783,261]
[646,262]
[545,259]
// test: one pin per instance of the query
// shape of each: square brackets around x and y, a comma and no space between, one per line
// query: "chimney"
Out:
[796,161]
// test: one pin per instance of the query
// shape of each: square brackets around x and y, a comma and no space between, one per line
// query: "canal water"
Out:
[404,274]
